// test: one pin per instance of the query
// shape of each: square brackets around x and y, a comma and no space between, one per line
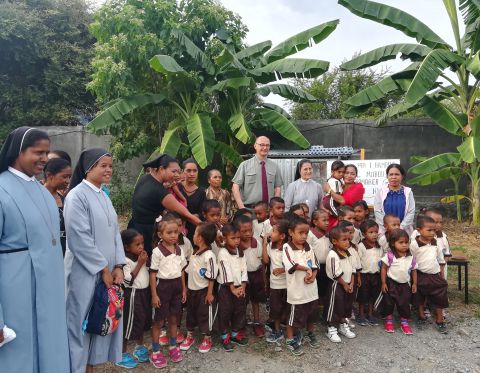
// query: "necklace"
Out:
[190,192]
[49,222]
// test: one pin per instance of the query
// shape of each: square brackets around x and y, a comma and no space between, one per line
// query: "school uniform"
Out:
[339,302]
[311,238]
[168,268]
[444,244]
[137,309]
[430,284]
[232,270]
[357,266]
[383,242]
[268,226]
[255,271]
[357,236]
[257,228]
[201,269]
[321,248]
[301,297]
[370,256]
[398,282]
[186,246]
[278,284]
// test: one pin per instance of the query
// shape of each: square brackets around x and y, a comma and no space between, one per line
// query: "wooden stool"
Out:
[461,261]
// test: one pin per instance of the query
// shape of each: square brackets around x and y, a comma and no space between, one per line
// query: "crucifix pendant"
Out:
[54,242]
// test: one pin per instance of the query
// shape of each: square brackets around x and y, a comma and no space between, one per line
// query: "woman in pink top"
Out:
[352,191]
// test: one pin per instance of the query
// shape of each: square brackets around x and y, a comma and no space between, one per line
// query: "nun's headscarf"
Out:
[161,161]
[299,167]
[17,141]
[87,160]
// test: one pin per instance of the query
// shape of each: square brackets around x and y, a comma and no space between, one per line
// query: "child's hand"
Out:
[350,287]
[107,278]
[223,220]
[309,272]
[1,336]
[359,281]
[184,295]
[346,287]
[414,288]
[209,298]
[156,301]
[142,258]
[385,288]
[117,275]
[278,271]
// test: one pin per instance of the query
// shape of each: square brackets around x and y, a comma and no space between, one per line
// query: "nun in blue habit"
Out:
[94,253]
[32,293]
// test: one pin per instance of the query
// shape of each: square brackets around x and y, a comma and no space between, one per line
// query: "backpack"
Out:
[106,310]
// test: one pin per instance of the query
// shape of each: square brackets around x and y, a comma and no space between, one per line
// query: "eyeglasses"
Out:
[263,145]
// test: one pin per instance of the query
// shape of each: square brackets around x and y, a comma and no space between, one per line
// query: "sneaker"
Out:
[351,324]
[422,323]
[344,330]
[362,321]
[389,326]
[444,314]
[274,336]
[270,326]
[354,311]
[175,354]
[332,334]
[128,361]
[227,344]
[239,340]
[187,343]
[298,336]
[312,340]
[158,360]
[405,327]
[141,354]
[427,313]
[293,345]
[258,330]
[205,346]
[163,340]
[442,328]
[180,337]
[373,321]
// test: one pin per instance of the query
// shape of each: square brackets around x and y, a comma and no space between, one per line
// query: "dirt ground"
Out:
[373,349]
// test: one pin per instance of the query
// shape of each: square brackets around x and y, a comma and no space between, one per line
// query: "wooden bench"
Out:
[461,261]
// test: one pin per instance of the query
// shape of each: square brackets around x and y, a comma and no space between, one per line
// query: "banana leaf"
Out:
[443,116]
[240,128]
[428,72]
[436,176]
[166,65]
[473,65]
[435,163]
[396,111]
[414,52]
[254,51]
[194,51]
[276,108]
[121,107]
[396,18]
[378,91]
[470,10]
[302,40]
[283,126]
[229,153]
[452,199]
[171,139]
[290,68]
[201,138]
[232,83]
[226,59]
[470,149]
[288,92]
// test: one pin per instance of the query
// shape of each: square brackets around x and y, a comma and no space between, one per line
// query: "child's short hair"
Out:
[208,232]
[296,207]
[342,211]
[282,226]
[241,212]
[317,213]
[423,220]
[296,221]
[342,224]
[337,165]
[274,200]
[335,233]
[367,224]
[210,204]
[361,203]
[394,237]
[160,224]
[432,210]
[261,203]
[229,229]
[128,235]
[387,216]
[242,219]
[304,206]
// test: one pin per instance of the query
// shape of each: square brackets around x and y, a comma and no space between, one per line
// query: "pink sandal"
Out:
[175,355]
[405,327]
[158,360]
[389,326]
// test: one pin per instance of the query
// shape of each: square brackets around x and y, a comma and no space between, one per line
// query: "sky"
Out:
[277,20]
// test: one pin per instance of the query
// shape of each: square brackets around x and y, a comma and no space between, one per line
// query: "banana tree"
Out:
[218,104]
[442,80]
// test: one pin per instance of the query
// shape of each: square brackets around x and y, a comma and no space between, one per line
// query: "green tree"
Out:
[129,33]
[442,80]
[44,63]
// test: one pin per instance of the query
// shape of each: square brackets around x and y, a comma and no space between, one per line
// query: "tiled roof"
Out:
[315,151]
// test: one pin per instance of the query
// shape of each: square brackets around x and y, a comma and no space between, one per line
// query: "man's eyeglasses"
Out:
[263,145]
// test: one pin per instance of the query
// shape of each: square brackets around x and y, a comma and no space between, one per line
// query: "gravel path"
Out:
[372,350]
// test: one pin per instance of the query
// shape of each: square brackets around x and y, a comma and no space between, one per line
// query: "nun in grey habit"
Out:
[94,246]
[32,293]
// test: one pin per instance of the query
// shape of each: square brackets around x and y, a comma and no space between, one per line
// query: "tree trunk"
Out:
[476,194]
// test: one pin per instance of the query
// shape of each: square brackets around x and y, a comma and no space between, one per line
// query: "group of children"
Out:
[294,264]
